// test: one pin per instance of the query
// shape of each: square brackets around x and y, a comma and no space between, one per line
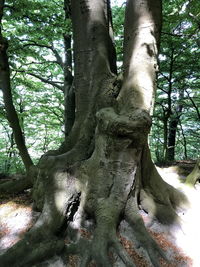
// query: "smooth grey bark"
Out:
[94,71]
[104,172]
[8,101]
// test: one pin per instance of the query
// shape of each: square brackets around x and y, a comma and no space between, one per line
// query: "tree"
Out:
[7,95]
[178,75]
[103,171]
[35,55]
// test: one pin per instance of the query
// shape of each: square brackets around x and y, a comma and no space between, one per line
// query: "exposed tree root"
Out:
[142,236]
[108,187]
[159,199]
[15,186]
[43,241]
[194,176]
[30,251]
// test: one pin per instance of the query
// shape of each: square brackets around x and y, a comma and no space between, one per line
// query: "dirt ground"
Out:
[180,245]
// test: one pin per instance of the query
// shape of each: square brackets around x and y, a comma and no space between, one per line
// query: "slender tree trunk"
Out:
[69,114]
[165,135]
[170,153]
[184,141]
[8,101]
[9,154]
[173,127]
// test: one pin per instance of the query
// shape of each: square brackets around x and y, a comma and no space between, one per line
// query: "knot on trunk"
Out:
[134,126]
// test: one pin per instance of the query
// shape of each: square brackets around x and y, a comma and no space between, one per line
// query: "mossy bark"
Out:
[194,176]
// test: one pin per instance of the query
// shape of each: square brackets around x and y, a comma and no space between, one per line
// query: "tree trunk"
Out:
[170,152]
[68,78]
[173,127]
[13,118]
[105,171]
[9,154]
[8,100]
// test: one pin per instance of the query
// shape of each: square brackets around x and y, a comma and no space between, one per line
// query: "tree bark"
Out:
[173,127]
[170,152]
[194,176]
[69,114]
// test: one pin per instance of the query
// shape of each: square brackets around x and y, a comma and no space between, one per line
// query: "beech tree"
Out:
[103,173]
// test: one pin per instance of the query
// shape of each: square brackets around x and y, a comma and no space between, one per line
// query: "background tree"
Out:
[31,54]
[7,96]
[175,114]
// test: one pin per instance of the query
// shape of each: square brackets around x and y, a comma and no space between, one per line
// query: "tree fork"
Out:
[107,184]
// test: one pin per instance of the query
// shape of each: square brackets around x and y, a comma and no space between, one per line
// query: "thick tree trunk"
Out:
[105,171]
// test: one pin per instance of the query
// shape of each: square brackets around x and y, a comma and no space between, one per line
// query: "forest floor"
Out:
[180,245]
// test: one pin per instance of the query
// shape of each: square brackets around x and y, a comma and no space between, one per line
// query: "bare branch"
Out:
[162,89]
[53,83]
[164,76]
[51,47]
[194,104]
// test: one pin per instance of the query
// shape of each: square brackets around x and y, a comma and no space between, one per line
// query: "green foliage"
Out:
[178,80]
[35,31]
[118,25]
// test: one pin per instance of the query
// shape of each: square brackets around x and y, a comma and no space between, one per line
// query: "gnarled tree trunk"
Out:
[103,173]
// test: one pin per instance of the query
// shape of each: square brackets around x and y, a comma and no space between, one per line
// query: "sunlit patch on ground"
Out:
[171,176]
[15,220]
[188,238]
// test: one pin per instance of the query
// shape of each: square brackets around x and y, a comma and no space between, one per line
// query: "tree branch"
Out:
[55,84]
[162,89]
[55,52]
[164,76]
[193,103]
